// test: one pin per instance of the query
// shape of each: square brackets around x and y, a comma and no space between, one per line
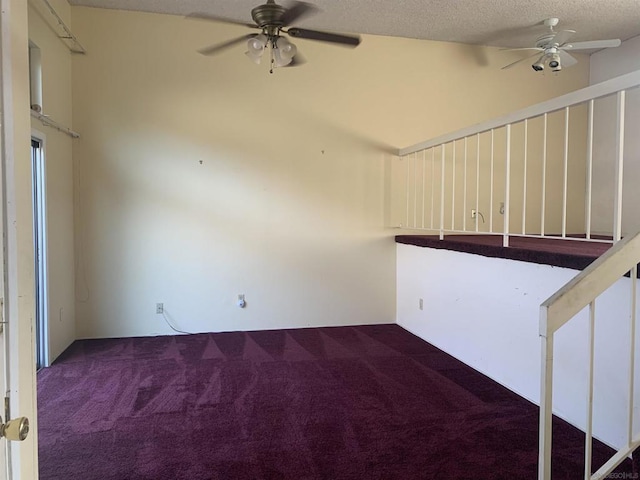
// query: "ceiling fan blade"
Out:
[593,44]
[562,37]
[521,49]
[215,18]
[347,40]
[218,47]
[566,59]
[297,11]
[518,61]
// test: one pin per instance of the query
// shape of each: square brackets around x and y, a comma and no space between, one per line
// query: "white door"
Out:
[18,460]
[11,429]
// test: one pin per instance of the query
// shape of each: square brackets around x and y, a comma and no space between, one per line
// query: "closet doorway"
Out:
[40,244]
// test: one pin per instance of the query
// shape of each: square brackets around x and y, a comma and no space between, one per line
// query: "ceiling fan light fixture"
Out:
[255,58]
[554,62]
[255,47]
[287,49]
[279,59]
[538,66]
[257,44]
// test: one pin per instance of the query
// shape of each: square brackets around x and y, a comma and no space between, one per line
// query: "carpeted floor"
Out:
[368,402]
[547,251]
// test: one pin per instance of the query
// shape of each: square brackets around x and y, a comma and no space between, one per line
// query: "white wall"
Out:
[56,87]
[202,178]
[485,312]
[606,64]
[613,62]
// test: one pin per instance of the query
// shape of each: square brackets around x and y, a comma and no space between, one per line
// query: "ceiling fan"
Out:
[555,48]
[273,21]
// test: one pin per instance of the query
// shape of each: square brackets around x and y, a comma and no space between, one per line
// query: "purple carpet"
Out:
[547,251]
[368,402]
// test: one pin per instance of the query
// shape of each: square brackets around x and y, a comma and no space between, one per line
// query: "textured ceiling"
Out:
[506,23]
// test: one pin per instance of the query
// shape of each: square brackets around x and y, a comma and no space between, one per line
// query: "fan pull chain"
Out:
[272,59]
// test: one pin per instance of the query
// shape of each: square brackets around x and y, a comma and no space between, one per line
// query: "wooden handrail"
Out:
[576,294]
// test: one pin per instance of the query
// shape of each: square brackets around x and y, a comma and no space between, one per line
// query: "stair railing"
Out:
[452,181]
[560,308]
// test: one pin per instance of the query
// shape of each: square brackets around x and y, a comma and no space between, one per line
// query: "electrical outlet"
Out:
[241,302]
[420,304]
[473,213]
[501,208]
[159,308]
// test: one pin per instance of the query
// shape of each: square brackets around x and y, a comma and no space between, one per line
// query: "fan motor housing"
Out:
[267,15]
[545,41]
